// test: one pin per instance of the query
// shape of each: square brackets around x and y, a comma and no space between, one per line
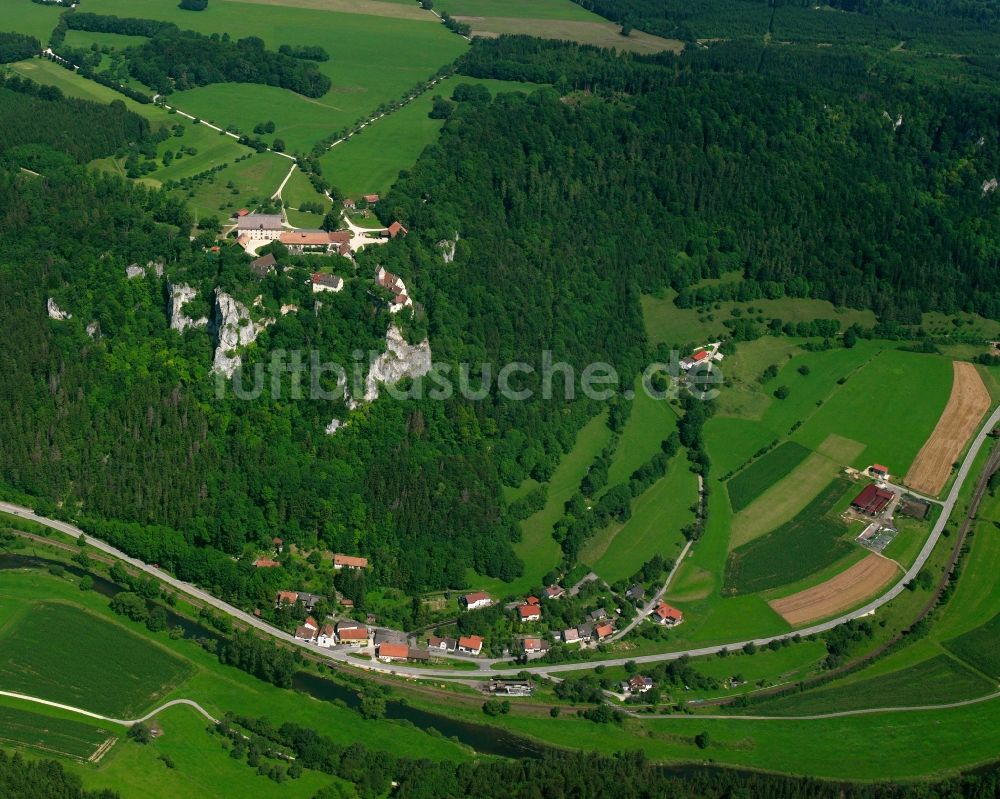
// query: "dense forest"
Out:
[17,46]
[42,779]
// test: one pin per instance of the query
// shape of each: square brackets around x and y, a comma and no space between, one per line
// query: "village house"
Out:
[260,227]
[635,593]
[341,561]
[667,615]
[585,632]
[310,600]
[637,684]
[418,655]
[529,612]
[324,282]
[384,635]
[597,615]
[441,644]
[310,622]
[534,646]
[555,592]
[396,229]
[476,600]
[532,600]
[879,471]
[265,563]
[286,598]
[470,644]
[371,199]
[279,544]
[353,633]
[305,633]
[603,631]
[327,636]
[571,636]
[393,651]
[262,267]
[390,282]
[349,204]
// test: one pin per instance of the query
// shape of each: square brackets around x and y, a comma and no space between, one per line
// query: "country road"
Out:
[123,722]
[487,666]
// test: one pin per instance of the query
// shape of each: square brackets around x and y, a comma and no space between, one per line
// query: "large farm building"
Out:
[872,500]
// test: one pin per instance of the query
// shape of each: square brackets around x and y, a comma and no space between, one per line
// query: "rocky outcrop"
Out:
[233,329]
[990,186]
[287,309]
[134,270]
[55,312]
[333,427]
[94,329]
[447,247]
[398,361]
[180,295]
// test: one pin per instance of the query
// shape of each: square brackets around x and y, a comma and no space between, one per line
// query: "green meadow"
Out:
[537,548]
[34,19]
[658,516]
[369,161]
[755,479]
[980,647]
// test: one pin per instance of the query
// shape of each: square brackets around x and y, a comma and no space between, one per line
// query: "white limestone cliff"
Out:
[180,295]
[398,361]
[233,329]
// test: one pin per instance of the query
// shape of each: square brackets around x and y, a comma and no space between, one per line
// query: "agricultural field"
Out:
[760,475]
[51,735]
[811,541]
[980,647]
[370,160]
[377,59]
[34,19]
[658,516]
[111,671]
[936,681]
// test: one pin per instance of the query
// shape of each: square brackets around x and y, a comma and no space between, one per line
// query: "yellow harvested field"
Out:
[838,594]
[600,34]
[783,500]
[966,406]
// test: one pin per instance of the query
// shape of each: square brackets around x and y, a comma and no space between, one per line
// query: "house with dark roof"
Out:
[324,282]
[264,265]
[637,684]
[436,644]
[257,227]
[872,500]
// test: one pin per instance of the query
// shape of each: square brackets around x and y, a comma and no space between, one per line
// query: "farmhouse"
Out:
[350,204]
[260,227]
[636,593]
[872,500]
[265,563]
[470,644]
[529,612]
[667,615]
[476,600]
[300,241]
[441,644]
[371,199]
[603,631]
[571,636]
[637,684]
[286,598]
[324,282]
[393,651]
[597,615]
[352,633]
[341,561]
[555,592]
[263,266]
[396,229]
[879,471]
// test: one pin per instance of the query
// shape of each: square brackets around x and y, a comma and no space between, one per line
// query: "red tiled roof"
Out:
[532,600]
[371,198]
[310,238]
[305,632]
[242,212]
[350,561]
[340,236]
[668,612]
[476,596]
[353,634]
[880,468]
[391,650]
[289,597]
[529,611]
[396,229]
[604,630]
[265,563]
[471,642]
[872,499]
[700,355]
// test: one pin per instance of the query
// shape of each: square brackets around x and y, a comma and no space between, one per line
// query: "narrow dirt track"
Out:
[968,402]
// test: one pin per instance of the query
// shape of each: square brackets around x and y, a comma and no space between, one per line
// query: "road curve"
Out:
[123,722]
[487,666]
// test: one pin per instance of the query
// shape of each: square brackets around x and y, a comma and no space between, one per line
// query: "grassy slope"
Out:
[755,479]
[658,515]
[32,18]
[72,737]
[537,548]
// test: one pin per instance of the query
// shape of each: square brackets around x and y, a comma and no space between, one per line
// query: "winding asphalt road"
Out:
[487,667]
